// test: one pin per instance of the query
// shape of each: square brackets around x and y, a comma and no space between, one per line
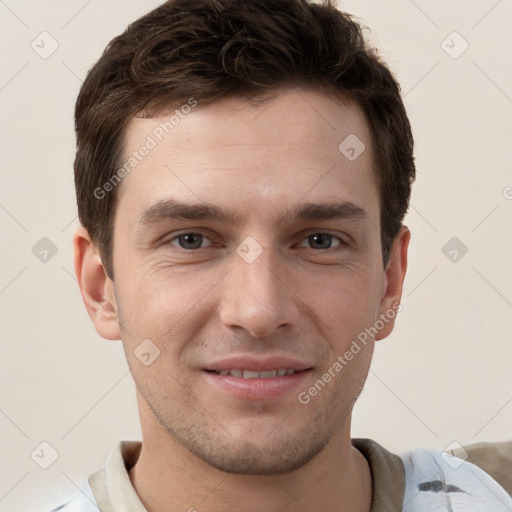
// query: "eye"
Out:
[322,241]
[190,241]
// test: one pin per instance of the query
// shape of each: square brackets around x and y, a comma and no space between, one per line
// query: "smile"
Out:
[250,374]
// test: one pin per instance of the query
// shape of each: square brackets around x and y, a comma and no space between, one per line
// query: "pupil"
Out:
[191,241]
[320,240]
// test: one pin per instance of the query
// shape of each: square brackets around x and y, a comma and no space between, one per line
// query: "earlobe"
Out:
[393,281]
[96,287]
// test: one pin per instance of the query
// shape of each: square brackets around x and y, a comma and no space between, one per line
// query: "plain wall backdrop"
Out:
[442,377]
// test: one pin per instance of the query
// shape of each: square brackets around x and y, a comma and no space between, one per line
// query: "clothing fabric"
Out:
[472,478]
[439,481]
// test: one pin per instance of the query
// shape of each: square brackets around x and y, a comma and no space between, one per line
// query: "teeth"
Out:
[249,374]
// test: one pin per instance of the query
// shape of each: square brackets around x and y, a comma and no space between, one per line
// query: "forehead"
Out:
[287,116]
[298,144]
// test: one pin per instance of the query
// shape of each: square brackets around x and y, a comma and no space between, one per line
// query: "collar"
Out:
[114,491]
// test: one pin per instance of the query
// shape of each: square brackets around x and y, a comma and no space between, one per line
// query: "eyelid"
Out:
[341,240]
[175,237]
[305,236]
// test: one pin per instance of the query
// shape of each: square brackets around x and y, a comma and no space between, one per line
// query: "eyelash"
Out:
[341,243]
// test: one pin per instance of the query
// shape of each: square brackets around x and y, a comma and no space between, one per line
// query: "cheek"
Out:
[334,389]
[168,306]
[343,303]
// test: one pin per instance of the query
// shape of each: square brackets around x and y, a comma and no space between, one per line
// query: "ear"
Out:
[393,282]
[96,287]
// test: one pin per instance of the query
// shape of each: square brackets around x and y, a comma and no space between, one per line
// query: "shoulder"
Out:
[434,478]
[78,503]
[495,458]
[81,501]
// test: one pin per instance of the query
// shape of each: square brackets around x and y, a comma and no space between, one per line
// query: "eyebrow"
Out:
[172,209]
[319,211]
[169,209]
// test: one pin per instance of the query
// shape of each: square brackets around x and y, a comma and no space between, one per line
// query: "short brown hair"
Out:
[205,49]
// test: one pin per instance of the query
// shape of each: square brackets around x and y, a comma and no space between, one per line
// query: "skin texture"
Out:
[204,447]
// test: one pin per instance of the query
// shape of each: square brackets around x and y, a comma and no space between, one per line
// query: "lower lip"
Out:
[257,389]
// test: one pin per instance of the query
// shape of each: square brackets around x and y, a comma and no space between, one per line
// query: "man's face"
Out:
[285,279]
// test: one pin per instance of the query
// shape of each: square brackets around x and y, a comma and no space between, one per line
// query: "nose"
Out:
[257,297]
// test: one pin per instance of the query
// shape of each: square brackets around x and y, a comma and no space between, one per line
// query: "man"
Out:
[243,170]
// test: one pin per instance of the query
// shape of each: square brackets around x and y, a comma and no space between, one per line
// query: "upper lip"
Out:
[257,365]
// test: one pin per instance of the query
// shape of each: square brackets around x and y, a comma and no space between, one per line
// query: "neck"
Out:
[168,478]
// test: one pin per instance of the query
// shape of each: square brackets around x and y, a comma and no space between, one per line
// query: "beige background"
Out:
[443,376]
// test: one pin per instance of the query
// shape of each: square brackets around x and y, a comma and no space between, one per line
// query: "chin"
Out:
[244,457]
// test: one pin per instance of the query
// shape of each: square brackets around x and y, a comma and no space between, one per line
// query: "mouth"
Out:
[254,379]
[251,374]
